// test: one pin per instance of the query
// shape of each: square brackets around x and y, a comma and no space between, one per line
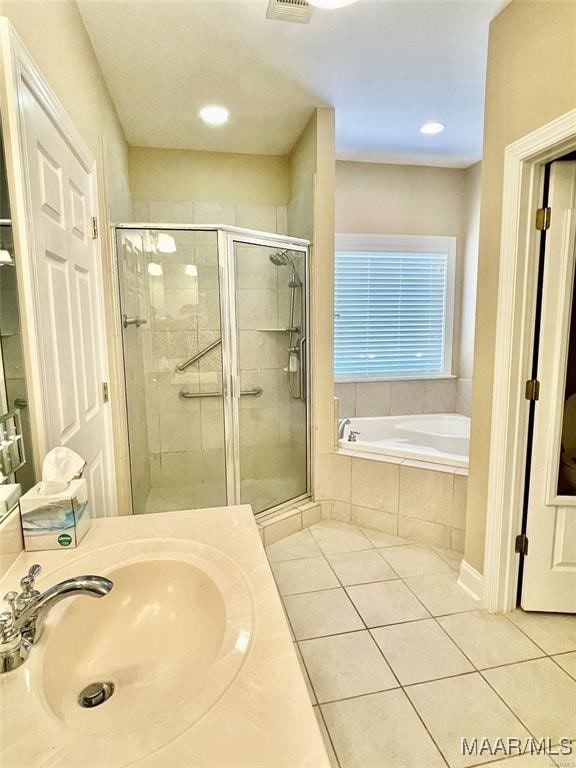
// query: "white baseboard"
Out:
[471,581]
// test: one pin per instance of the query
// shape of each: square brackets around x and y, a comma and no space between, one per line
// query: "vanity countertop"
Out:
[263,719]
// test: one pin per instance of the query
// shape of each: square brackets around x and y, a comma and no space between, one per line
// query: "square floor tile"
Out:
[441,594]
[489,640]
[386,602]
[541,694]
[414,560]
[301,544]
[568,662]
[361,567]
[460,708]
[348,665]
[316,614]
[554,632]
[333,536]
[419,651]
[381,539]
[305,575]
[380,731]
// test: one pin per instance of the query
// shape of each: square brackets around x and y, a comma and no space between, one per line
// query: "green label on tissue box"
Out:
[64,539]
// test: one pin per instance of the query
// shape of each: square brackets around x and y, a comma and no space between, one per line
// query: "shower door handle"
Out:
[303,368]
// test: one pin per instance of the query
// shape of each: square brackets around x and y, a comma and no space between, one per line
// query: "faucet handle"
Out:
[27,582]
[11,598]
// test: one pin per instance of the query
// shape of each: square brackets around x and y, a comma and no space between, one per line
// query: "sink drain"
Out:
[95,694]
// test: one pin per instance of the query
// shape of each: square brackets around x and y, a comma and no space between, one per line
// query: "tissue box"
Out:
[55,521]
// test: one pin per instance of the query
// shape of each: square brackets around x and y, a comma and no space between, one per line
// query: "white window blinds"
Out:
[392,313]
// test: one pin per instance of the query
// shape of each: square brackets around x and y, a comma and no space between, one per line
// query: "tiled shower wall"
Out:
[400,398]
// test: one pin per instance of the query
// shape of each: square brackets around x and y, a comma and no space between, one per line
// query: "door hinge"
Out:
[105,392]
[521,544]
[543,218]
[532,389]
[94,221]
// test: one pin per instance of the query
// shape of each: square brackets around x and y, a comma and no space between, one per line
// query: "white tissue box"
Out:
[55,521]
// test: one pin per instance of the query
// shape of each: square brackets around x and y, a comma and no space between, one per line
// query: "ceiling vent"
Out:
[297,11]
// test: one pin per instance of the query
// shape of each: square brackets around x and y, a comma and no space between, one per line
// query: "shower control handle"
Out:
[137,321]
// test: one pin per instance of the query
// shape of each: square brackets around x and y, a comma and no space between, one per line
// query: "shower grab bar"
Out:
[198,355]
[256,392]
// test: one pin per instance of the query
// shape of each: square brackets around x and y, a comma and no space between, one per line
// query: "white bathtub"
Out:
[441,438]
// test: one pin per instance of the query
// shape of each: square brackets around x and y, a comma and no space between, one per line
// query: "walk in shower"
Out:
[214,326]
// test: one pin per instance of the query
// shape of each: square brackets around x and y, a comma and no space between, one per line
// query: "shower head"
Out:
[283,259]
[280,259]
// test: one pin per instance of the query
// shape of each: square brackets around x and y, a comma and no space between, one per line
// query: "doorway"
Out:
[215,362]
[524,170]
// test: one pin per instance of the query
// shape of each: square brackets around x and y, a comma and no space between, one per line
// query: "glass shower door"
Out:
[170,305]
[270,310]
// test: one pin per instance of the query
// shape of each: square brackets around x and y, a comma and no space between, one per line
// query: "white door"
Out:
[549,579]
[64,301]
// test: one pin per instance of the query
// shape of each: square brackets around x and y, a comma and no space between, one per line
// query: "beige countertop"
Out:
[263,718]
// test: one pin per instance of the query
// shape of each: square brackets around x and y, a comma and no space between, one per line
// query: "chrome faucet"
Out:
[22,625]
[342,424]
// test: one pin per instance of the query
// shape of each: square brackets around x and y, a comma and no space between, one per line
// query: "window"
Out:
[394,306]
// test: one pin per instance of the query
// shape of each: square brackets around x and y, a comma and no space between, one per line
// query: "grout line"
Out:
[553,658]
[329,734]
[440,752]
[479,672]
[526,634]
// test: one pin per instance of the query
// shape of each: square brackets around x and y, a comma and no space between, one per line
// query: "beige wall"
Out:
[531,81]
[174,175]
[376,198]
[55,36]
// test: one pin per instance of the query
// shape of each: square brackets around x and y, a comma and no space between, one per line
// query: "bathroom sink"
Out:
[170,638]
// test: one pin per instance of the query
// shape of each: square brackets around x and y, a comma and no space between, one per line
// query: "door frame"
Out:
[227,236]
[524,162]
[16,69]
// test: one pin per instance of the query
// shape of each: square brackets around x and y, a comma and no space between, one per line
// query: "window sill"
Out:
[366,380]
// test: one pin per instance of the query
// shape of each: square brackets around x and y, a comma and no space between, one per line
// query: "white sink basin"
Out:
[171,637]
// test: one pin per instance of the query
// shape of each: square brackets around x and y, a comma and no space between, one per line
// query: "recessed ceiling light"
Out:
[331,3]
[214,115]
[432,127]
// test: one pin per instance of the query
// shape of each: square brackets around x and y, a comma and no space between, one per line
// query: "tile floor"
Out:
[401,663]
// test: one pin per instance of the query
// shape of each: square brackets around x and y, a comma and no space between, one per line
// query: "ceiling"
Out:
[386,67]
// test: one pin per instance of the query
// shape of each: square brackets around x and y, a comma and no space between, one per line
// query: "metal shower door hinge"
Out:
[532,389]
[105,392]
[94,221]
[521,544]
[543,216]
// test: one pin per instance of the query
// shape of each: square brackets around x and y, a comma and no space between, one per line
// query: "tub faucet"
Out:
[342,424]
[21,626]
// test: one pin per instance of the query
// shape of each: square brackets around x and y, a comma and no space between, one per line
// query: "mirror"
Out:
[15,435]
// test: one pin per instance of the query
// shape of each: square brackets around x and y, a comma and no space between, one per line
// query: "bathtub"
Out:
[440,438]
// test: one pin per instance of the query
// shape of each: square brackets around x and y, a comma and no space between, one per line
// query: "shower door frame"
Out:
[227,237]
